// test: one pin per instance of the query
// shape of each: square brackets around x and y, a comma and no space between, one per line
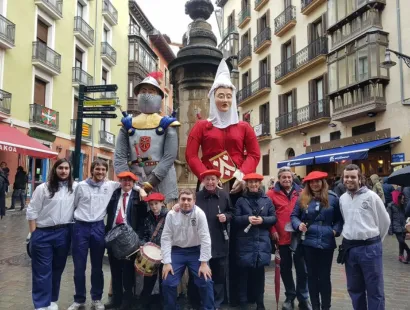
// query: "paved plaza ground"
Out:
[15,274]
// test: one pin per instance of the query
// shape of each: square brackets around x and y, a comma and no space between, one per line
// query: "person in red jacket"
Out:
[284,195]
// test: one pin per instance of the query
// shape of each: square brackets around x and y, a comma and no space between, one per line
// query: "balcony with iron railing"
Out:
[259,4]
[313,114]
[228,30]
[255,90]
[245,55]
[80,77]
[83,31]
[262,40]
[308,6]
[5,104]
[86,132]
[244,16]
[107,140]
[7,33]
[110,13]
[312,55]
[46,58]
[262,132]
[53,8]
[108,54]
[43,118]
[285,21]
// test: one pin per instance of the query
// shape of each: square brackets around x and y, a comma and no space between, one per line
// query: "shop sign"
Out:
[398,158]
[8,148]
[41,135]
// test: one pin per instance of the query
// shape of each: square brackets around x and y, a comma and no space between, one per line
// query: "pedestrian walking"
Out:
[254,217]
[4,184]
[377,186]
[284,196]
[50,218]
[388,189]
[398,223]
[19,188]
[366,223]
[317,217]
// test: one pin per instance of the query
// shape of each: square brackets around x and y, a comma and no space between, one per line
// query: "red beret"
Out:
[315,175]
[253,176]
[210,172]
[127,174]
[154,197]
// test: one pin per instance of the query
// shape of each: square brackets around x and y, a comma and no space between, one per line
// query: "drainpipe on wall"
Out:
[401,51]
[95,75]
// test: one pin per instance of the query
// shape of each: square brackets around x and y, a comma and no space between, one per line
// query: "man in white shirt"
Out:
[186,242]
[366,223]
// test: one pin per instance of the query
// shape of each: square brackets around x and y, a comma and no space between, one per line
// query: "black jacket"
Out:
[20,180]
[4,183]
[136,211]
[397,218]
[339,188]
[209,203]
[387,189]
[150,224]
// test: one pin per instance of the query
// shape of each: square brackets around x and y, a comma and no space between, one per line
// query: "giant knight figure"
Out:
[147,144]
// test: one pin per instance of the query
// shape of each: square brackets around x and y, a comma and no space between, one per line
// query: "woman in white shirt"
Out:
[50,216]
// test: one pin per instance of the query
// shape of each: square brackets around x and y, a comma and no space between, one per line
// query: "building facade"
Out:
[312,85]
[47,49]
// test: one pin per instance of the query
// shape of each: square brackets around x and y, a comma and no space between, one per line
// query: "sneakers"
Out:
[97,305]
[76,306]
[289,304]
[402,259]
[53,306]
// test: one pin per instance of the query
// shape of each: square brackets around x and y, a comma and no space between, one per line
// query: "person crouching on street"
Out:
[186,242]
[50,217]
[254,217]
[153,226]
[317,216]
[125,207]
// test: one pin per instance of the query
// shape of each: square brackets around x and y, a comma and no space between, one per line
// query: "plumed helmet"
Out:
[151,79]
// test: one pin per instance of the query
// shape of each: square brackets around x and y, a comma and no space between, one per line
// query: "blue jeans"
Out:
[182,258]
[18,194]
[286,263]
[49,251]
[88,236]
[364,273]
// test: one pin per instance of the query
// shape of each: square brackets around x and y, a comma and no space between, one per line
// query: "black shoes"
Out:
[305,305]
[111,305]
[288,305]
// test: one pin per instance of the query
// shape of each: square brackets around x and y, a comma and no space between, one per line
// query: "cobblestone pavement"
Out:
[15,274]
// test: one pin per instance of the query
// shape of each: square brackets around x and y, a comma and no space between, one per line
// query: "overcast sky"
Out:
[168,16]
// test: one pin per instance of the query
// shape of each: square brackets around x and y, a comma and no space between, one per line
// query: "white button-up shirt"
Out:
[91,201]
[186,230]
[119,206]
[54,211]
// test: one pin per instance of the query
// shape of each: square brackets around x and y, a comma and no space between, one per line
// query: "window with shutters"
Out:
[40,88]
[314,140]
[79,58]
[246,38]
[104,76]
[288,50]
[336,135]
[80,9]
[75,107]
[362,129]
[42,32]
[264,118]
[246,79]
[264,67]
[265,165]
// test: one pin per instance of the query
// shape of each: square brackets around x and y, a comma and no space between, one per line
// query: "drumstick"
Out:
[246,230]
[132,253]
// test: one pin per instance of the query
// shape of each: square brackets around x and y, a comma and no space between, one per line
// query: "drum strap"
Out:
[157,228]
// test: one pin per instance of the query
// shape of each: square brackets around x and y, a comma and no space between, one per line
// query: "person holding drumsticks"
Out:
[125,207]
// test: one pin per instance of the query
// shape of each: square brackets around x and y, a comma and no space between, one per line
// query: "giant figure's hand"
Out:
[127,123]
[237,186]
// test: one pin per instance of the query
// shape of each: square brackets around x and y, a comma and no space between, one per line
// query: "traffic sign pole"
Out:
[78,133]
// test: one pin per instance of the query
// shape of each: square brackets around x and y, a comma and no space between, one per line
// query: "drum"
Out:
[148,259]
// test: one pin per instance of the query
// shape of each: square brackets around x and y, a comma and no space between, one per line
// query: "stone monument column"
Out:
[192,75]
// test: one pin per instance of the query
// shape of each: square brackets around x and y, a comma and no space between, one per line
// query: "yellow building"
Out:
[311,83]
[47,49]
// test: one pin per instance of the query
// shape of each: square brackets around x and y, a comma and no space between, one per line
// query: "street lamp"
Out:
[388,63]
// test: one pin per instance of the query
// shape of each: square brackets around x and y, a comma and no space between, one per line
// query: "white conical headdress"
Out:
[217,118]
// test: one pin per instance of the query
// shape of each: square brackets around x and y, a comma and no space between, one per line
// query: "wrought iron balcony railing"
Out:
[262,37]
[86,132]
[107,50]
[110,10]
[55,5]
[44,117]
[309,113]
[284,18]
[7,30]
[254,87]
[5,102]
[244,14]
[246,51]
[82,77]
[47,56]
[310,52]
[107,138]
[228,30]
[85,29]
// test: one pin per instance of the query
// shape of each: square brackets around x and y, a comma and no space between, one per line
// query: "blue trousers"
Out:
[364,272]
[182,258]
[88,236]
[49,251]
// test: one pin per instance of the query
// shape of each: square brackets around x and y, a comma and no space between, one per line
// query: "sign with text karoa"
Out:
[225,165]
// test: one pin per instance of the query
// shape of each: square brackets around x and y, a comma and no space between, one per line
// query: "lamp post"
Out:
[388,63]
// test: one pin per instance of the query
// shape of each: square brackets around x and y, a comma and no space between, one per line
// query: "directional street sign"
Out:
[101,102]
[99,115]
[100,88]
[98,109]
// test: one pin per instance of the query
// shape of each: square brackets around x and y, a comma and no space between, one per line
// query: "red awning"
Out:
[14,141]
